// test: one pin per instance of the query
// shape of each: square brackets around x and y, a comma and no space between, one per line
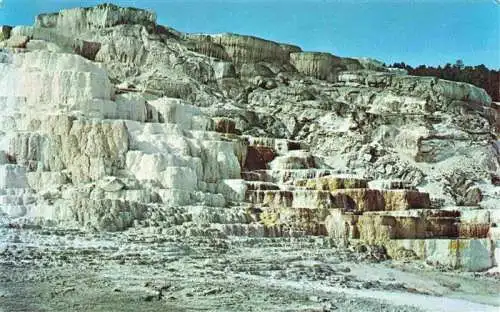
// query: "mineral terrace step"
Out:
[375,229]
[473,230]
[379,227]
[405,199]
[287,176]
[212,215]
[262,186]
[332,182]
[355,200]
[279,146]
[419,213]
[475,215]
[390,185]
[292,199]
[295,216]
[259,230]
[236,229]
[362,199]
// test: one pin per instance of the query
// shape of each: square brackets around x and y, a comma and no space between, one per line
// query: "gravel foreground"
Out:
[145,270]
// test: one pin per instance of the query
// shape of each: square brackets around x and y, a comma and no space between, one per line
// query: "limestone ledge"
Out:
[102,16]
[242,49]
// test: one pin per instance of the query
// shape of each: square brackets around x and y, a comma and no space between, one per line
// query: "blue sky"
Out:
[415,31]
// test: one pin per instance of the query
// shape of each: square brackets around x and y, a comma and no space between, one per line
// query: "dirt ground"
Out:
[148,270]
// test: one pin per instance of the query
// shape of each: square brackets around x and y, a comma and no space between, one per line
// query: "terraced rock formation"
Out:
[111,121]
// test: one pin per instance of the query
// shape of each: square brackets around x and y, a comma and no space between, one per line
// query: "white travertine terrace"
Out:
[108,120]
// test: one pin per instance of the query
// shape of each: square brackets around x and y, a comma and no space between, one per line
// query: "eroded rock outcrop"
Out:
[102,16]
[323,66]
[248,49]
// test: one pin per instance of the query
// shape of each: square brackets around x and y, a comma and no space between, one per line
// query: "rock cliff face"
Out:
[109,120]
